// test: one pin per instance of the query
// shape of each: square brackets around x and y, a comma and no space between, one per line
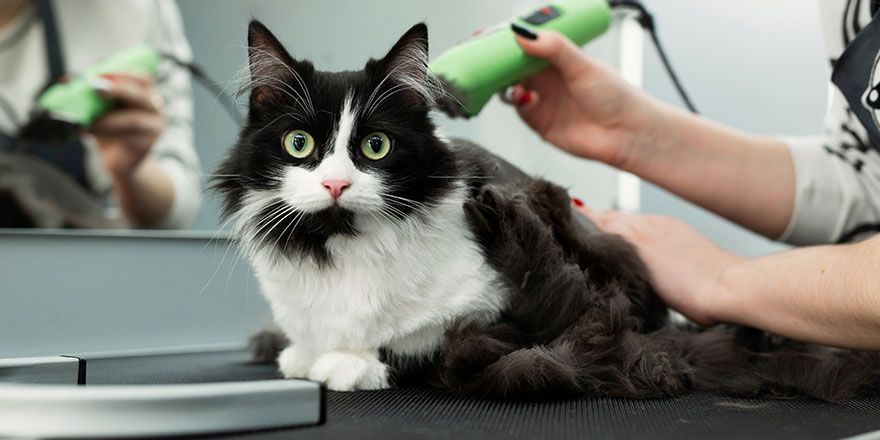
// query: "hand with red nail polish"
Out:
[577,104]
[125,135]
[685,266]
[586,109]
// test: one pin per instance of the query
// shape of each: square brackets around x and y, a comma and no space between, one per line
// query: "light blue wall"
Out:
[755,65]
[77,292]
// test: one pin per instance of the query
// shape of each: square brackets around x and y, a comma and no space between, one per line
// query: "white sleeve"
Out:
[837,195]
[174,149]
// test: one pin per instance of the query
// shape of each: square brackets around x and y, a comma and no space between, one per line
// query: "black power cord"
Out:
[199,74]
[646,20]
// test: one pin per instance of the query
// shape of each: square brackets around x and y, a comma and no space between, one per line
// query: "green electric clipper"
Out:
[490,61]
[67,106]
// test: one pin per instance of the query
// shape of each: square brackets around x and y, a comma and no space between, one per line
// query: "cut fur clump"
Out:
[441,263]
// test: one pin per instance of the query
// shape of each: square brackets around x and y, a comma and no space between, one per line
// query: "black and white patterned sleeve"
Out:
[837,196]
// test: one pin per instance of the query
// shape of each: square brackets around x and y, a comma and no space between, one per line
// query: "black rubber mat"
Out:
[423,413]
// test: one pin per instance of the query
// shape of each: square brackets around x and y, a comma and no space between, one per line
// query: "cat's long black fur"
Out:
[583,318]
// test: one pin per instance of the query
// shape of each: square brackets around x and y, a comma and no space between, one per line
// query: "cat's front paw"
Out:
[293,363]
[342,371]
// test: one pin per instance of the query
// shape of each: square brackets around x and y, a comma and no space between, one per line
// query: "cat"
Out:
[390,254]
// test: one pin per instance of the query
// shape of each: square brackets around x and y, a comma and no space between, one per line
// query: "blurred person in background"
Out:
[140,152]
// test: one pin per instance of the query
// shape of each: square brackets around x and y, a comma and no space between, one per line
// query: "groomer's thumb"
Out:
[562,54]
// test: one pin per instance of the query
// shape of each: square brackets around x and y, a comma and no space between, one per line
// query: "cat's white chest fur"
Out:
[397,286]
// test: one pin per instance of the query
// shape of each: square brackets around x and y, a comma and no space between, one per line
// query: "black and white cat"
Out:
[385,249]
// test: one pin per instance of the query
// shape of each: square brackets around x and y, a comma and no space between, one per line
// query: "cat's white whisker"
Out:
[460,177]
[268,80]
[405,200]
[296,215]
[254,203]
[229,275]
[296,221]
[222,228]
[277,219]
[269,216]
[216,271]
[305,88]
[257,67]
[391,219]
[375,104]
[388,94]
[367,105]
[272,83]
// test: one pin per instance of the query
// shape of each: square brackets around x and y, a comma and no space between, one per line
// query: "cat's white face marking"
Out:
[308,190]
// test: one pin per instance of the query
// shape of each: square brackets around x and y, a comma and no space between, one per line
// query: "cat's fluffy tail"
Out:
[267,343]
[748,362]
[671,361]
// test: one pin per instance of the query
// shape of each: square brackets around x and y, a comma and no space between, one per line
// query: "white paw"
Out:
[348,372]
[293,363]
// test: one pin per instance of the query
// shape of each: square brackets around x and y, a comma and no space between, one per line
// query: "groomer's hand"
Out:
[579,104]
[125,136]
[685,267]
[126,133]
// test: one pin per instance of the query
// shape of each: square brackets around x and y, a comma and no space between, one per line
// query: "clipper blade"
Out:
[451,102]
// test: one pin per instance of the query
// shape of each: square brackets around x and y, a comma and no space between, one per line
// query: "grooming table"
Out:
[424,413]
[118,306]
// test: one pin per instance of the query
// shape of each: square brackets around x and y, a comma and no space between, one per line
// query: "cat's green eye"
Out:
[376,145]
[299,144]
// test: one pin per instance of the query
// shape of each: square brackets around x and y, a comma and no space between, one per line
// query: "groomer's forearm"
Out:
[145,197]
[745,178]
[826,294]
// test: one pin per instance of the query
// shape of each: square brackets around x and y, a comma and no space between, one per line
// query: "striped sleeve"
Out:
[837,196]
[175,150]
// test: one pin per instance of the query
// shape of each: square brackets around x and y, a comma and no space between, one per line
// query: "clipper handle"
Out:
[77,102]
[490,60]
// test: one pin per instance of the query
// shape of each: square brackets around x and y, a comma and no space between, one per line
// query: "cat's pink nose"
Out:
[336,187]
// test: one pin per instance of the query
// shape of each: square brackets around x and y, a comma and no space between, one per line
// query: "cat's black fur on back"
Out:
[582,318]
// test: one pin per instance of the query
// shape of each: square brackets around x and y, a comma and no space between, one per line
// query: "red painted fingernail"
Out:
[577,202]
[526,98]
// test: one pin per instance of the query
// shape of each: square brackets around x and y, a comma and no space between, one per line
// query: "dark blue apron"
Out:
[68,156]
[857,75]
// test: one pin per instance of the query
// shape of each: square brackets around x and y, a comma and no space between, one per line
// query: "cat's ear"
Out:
[270,64]
[407,63]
